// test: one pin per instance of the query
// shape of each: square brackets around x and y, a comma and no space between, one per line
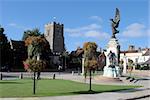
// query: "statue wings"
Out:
[117,18]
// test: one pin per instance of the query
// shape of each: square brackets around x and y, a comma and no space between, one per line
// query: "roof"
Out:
[78,52]
[137,51]
[133,51]
[145,48]
[147,53]
[17,44]
[147,62]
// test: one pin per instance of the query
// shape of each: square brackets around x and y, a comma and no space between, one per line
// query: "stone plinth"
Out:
[114,47]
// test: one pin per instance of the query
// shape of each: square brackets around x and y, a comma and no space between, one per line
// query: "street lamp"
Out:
[1,76]
[0,55]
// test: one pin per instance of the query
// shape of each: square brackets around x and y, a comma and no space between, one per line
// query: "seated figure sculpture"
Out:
[112,69]
[112,59]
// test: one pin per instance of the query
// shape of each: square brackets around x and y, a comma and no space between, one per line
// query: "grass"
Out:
[23,88]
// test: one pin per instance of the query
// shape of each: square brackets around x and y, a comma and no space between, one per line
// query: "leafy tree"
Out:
[5,51]
[36,46]
[3,38]
[35,63]
[90,58]
[34,32]
[35,66]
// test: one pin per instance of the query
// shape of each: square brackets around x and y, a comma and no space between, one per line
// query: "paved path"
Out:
[121,95]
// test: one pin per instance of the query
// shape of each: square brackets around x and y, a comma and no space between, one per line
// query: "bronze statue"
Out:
[115,23]
[112,58]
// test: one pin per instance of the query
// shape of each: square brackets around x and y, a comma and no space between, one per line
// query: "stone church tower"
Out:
[54,34]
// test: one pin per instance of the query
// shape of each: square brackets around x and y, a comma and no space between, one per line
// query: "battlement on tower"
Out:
[54,23]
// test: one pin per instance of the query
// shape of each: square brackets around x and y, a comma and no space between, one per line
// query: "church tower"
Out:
[54,34]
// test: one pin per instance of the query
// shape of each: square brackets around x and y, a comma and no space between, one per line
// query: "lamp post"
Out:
[34,83]
[1,76]
[0,55]
[124,64]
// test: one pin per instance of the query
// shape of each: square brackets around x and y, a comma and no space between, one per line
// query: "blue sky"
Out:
[84,20]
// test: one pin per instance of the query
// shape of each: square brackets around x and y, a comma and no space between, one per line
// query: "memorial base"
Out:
[112,72]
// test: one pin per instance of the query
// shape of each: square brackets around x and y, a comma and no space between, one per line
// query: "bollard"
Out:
[72,72]
[1,76]
[53,76]
[21,76]
[78,72]
[38,75]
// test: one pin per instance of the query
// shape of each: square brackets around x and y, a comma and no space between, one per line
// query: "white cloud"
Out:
[92,34]
[96,18]
[75,32]
[84,28]
[134,30]
[89,31]
[12,24]
[17,26]
[92,31]
[96,34]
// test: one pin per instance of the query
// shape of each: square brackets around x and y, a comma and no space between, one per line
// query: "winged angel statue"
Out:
[115,23]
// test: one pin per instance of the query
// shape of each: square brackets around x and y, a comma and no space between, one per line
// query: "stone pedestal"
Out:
[124,65]
[82,73]
[114,47]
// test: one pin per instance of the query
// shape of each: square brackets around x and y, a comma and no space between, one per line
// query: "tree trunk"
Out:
[90,81]
[34,83]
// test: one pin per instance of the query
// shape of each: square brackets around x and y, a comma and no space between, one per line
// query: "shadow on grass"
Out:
[87,92]
[96,92]
[11,83]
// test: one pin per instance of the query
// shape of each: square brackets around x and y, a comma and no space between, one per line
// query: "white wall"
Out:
[137,57]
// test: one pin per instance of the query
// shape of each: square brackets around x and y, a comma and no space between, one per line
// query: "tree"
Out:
[90,58]
[34,32]
[5,51]
[35,62]
[35,36]
[34,66]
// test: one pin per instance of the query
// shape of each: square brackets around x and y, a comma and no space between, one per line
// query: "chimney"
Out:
[131,48]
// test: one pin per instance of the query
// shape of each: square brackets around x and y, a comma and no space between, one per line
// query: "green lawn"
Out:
[23,88]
